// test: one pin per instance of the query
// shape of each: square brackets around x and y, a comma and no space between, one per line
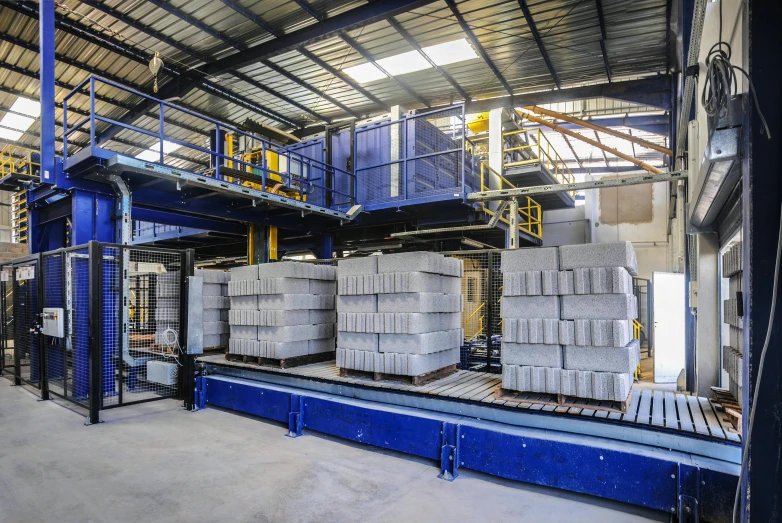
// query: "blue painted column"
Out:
[46,42]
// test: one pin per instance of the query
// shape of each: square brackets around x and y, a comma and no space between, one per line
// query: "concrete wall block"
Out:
[602,332]
[599,307]
[213,276]
[531,354]
[322,286]
[618,254]
[419,302]
[244,332]
[515,330]
[212,289]
[581,281]
[282,350]
[566,283]
[514,284]
[212,315]
[362,303]
[215,327]
[293,269]
[242,302]
[213,302]
[535,327]
[295,301]
[421,262]
[530,307]
[551,331]
[602,359]
[357,266]
[296,332]
[321,345]
[216,340]
[567,332]
[358,341]
[424,343]
[621,281]
[583,332]
[247,272]
[599,281]
[534,283]
[531,259]
[550,282]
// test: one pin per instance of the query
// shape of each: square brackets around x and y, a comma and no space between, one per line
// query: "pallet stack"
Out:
[280,311]
[567,321]
[399,316]
[732,359]
[216,306]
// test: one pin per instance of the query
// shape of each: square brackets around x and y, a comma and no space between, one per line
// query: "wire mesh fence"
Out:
[6,321]
[26,348]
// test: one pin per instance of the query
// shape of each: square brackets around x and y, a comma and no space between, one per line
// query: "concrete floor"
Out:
[155,462]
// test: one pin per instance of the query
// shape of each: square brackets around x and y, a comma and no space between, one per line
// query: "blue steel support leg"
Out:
[689,482]
[200,393]
[295,421]
[47,78]
[326,247]
[449,452]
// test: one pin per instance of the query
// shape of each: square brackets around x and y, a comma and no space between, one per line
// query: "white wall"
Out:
[5,216]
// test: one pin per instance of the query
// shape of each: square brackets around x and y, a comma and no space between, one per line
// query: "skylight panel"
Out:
[404,63]
[450,52]
[13,125]
[365,73]
[153,153]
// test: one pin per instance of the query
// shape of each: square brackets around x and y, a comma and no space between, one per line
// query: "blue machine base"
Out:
[691,486]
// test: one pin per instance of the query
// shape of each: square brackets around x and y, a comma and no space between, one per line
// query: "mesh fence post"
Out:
[43,363]
[95,251]
[187,383]
[489,325]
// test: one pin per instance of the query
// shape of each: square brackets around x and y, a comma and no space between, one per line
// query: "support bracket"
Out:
[449,451]
[295,416]
[689,481]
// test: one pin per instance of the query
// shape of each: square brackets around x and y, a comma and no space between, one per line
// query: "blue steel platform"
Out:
[630,460]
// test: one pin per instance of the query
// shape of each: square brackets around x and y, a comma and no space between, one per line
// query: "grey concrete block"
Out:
[566,283]
[581,281]
[296,332]
[215,327]
[395,363]
[397,323]
[599,307]
[550,282]
[357,266]
[212,315]
[420,262]
[279,350]
[530,307]
[247,272]
[567,332]
[424,343]
[531,379]
[322,345]
[213,276]
[534,283]
[243,332]
[363,303]
[618,254]
[223,314]
[217,302]
[576,383]
[212,289]
[535,355]
[621,281]
[531,259]
[295,301]
[583,332]
[550,331]
[216,340]
[323,287]
[282,286]
[514,283]
[419,302]
[598,280]
[296,270]
[358,341]
[602,359]
[535,326]
[242,302]
[396,282]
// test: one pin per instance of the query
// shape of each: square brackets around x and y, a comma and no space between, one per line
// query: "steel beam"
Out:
[477,45]
[310,10]
[250,16]
[539,41]
[410,40]
[653,91]
[47,81]
[505,194]
[603,38]
[368,57]
[195,22]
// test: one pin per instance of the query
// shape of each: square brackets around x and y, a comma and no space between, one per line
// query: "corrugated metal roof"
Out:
[569,29]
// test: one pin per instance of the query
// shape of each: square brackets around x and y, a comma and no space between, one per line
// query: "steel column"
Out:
[47,82]
[95,319]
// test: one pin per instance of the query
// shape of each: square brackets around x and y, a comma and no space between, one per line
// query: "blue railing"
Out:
[307,187]
[411,160]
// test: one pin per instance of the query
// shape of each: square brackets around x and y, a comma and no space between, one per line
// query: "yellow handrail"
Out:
[529,210]
[18,160]
[540,151]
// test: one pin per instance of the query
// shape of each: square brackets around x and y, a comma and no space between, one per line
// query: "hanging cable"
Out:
[721,82]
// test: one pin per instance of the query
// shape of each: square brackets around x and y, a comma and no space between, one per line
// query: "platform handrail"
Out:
[19,161]
[301,182]
[530,210]
[541,151]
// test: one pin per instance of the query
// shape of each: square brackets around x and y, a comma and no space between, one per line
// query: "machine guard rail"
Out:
[303,184]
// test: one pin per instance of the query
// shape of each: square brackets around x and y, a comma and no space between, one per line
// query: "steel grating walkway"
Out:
[653,409]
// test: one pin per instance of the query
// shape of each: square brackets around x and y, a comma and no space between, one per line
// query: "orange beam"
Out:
[600,128]
[593,143]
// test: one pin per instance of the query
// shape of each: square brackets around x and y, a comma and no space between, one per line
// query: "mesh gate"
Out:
[7,321]
[27,360]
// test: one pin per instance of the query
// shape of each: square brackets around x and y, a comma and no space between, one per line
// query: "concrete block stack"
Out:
[732,354]
[282,310]
[166,304]
[216,306]
[567,320]
[399,314]
[531,353]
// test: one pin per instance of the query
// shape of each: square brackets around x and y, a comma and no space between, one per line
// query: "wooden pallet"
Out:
[284,363]
[421,379]
[723,400]
[560,400]
[222,348]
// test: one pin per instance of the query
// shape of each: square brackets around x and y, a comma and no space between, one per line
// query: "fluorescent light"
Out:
[404,63]
[13,125]
[450,52]
[411,61]
[153,153]
[365,73]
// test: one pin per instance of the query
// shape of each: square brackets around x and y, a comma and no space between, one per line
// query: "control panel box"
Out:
[162,372]
[53,322]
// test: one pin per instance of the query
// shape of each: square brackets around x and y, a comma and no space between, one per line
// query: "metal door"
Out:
[669,320]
